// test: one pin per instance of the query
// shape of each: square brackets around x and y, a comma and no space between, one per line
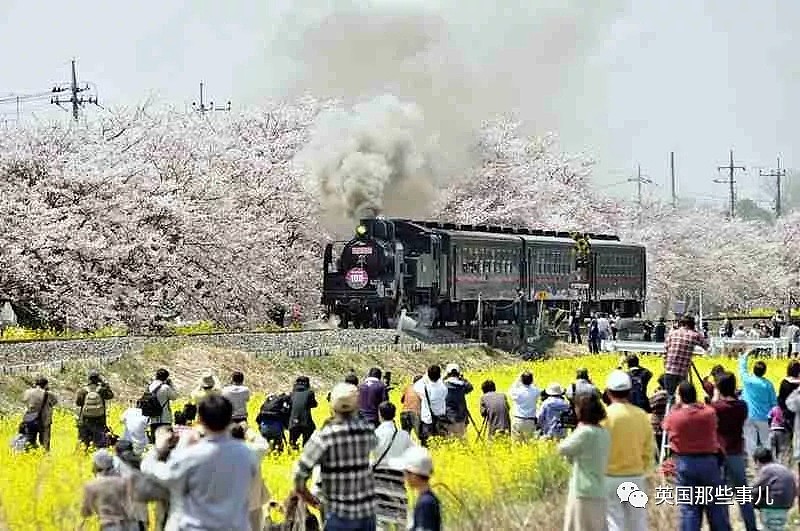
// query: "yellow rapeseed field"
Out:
[43,492]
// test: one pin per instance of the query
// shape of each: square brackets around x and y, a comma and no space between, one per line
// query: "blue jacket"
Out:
[757,392]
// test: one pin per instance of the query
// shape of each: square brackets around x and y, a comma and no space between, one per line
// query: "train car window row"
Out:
[487,261]
[611,265]
[554,262]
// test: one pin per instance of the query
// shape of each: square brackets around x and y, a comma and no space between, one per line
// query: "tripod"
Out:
[670,400]
[480,430]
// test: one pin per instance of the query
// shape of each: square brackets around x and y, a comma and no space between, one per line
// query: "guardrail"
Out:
[778,346]
[378,347]
[59,365]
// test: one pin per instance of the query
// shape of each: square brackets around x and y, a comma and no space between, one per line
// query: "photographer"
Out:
[92,421]
[456,400]
[164,392]
[201,497]
[371,393]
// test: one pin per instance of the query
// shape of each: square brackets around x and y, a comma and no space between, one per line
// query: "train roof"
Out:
[505,230]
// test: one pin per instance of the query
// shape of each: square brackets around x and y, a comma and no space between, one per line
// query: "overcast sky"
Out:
[627,81]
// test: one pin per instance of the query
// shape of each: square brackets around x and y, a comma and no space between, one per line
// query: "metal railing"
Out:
[777,346]
[57,365]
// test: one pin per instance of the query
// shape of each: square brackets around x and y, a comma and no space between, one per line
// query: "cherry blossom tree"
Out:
[149,214]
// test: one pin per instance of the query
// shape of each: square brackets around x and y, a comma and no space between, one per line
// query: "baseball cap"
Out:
[344,398]
[619,381]
[416,460]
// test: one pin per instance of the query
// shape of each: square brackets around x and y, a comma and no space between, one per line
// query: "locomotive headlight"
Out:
[361,230]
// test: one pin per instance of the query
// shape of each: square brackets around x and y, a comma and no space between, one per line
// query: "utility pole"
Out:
[202,108]
[731,182]
[639,180]
[74,90]
[672,178]
[777,173]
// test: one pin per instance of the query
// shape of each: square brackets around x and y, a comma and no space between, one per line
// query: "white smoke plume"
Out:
[458,62]
[378,150]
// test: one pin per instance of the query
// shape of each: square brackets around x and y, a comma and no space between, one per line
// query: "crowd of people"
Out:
[354,467]
[603,326]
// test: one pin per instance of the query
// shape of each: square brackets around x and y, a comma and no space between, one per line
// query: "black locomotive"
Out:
[442,272]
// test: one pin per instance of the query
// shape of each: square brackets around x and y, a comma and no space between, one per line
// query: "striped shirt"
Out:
[342,448]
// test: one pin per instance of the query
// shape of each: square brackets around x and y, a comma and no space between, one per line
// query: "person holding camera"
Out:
[91,401]
[371,393]
[456,400]
[164,392]
[201,496]
[524,395]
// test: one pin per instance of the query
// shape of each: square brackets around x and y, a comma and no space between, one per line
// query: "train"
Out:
[445,273]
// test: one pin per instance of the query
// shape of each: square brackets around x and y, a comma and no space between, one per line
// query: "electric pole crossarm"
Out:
[202,108]
[731,167]
[639,180]
[77,102]
[777,172]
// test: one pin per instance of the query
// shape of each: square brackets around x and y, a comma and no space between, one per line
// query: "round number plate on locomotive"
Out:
[356,278]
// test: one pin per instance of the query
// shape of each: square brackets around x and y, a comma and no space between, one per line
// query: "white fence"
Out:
[778,347]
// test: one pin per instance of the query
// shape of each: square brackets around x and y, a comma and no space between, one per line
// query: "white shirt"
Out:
[523,400]
[437,392]
[135,424]
[739,333]
[402,442]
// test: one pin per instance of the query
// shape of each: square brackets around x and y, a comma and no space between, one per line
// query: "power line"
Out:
[777,173]
[202,108]
[76,102]
[731,182]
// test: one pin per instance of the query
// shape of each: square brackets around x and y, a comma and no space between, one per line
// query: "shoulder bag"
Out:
[438,422]
[383,455]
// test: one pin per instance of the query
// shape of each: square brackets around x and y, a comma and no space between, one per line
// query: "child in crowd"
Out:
[779,439]
[774,490]
[417,465]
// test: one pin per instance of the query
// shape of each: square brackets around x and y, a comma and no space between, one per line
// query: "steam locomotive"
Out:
[443,272]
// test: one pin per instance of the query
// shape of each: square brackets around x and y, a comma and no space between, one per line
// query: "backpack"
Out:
[149,403]
[276,408]
[93,404]
[638,392]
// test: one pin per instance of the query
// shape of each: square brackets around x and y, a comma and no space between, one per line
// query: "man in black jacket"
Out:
[300,420]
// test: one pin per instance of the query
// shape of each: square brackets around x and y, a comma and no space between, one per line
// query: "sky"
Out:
[626,81]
